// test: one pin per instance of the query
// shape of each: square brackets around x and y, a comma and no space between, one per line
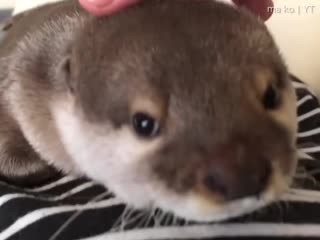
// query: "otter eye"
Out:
[145,125]
[271,99]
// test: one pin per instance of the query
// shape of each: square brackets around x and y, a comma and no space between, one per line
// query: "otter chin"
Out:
[187,106]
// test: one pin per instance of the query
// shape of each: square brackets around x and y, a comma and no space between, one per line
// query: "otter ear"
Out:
[65,73]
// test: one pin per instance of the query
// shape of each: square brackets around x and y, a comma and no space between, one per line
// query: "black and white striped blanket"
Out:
[69,208]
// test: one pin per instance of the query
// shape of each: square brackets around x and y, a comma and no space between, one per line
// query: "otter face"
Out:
[185,106]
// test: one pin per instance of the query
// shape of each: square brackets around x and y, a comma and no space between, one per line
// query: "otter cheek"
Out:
[287,115]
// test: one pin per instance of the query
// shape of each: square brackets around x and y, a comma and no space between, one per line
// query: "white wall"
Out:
[21,5]
[6,3]
[298,36]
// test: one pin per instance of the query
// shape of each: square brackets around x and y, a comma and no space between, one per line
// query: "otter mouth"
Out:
[203,205]
[225,212]
[199,210]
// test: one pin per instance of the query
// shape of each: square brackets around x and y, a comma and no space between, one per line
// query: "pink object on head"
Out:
[106,7]
[262,8]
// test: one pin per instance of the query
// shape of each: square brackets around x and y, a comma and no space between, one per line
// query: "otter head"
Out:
[181,105]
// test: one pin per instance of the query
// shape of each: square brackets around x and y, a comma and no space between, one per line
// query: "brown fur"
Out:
[198,66]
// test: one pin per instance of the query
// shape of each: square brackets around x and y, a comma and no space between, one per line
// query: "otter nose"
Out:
[233,183]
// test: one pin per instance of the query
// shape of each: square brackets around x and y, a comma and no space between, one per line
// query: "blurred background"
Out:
[295,25]
[5,6]
[296,29]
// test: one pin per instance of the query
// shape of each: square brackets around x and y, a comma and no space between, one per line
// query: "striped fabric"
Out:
[69,208]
